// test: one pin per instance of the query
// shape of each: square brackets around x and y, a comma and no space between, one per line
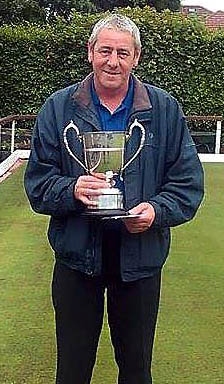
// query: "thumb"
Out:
[140,208]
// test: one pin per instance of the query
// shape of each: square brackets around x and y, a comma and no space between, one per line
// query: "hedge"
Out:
[179,54]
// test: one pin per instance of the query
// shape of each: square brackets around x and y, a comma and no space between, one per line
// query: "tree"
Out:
[63,8]
[173,5]
[17,11]
[159,5]
[42,11]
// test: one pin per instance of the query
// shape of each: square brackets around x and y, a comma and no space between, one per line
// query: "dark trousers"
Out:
[79,306]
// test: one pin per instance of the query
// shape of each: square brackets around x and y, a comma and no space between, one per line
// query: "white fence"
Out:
[10,126]
[9,162]
[16,154]
[207,141]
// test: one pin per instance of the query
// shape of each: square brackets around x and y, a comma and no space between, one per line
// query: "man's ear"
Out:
[90,53]
[137,57]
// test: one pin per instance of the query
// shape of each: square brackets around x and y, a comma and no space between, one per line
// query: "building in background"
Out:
[195,10]
[216,20]
[213,20]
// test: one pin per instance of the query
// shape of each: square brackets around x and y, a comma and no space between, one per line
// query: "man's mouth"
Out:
[112,73]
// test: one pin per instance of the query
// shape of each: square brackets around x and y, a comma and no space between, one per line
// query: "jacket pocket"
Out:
[56,232]
[69,236]
[155,244]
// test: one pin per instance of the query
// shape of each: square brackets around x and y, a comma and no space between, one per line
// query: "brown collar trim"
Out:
[141,97]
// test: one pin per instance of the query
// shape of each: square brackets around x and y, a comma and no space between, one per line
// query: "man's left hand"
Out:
[144,221]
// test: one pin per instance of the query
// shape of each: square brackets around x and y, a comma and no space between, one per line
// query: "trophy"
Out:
[104,152]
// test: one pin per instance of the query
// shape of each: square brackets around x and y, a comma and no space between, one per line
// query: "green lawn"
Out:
[190,334]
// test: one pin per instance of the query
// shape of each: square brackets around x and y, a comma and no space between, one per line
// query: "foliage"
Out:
[173,5]
[16,11]
[46,11]
[179,55]
[41,11]
[159,5]
[63,8]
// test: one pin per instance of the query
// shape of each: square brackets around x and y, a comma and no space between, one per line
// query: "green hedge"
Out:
[179,55]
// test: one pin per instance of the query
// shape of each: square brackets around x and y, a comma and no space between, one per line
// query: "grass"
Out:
[189,339]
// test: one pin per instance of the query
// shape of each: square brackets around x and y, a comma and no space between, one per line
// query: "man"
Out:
[163,186]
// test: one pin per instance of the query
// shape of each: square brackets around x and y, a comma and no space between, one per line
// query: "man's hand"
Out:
[88,186]
[144,221]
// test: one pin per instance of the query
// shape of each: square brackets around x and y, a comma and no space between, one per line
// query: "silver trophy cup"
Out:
[104,152]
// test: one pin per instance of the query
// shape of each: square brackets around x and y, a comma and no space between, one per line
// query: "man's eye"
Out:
[105,52]
[123,54]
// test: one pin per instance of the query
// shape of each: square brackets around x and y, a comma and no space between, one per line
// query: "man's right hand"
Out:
[88,186]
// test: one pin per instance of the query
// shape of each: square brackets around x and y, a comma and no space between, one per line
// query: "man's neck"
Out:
[111,98]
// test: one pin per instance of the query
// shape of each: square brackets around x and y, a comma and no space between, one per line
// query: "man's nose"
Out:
[113,59]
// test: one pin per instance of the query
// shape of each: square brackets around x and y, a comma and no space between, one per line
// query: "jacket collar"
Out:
[141,101]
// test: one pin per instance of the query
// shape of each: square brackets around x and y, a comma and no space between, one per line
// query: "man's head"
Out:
[114,48]
[119,23]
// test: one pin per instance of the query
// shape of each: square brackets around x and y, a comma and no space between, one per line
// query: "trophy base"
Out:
[105,213]
[109,214]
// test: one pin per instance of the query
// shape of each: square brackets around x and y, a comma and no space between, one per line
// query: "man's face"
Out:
[113,56]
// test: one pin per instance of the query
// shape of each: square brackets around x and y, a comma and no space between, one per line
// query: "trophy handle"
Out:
[71,125]
[133,125]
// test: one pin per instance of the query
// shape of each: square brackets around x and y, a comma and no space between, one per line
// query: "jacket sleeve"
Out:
[49,191]
[182,187]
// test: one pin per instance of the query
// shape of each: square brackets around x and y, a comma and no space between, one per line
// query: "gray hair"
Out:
[120,23]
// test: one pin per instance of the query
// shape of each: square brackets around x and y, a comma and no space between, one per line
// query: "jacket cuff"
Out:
[158,214]
[73,203]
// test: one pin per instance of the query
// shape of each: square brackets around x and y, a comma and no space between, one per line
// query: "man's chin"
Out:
[111,84]
[111,81]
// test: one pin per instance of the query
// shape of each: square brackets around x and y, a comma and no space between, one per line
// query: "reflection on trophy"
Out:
[104,152]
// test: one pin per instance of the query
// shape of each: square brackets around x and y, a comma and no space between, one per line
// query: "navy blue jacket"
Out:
[167,173]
